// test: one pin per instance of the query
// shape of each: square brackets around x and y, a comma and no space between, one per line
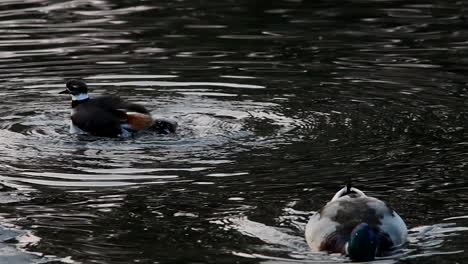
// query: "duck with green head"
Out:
[356,225]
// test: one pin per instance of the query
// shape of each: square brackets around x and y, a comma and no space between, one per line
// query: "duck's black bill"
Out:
[64,92]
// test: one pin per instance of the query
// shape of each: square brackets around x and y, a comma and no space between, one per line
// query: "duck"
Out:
[110,115]
[356,225]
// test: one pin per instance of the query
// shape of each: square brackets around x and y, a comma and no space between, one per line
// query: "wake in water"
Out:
[287,243]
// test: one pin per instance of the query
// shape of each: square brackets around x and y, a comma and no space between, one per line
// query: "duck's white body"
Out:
[330,228]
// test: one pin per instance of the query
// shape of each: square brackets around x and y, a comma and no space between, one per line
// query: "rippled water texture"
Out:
[278,103]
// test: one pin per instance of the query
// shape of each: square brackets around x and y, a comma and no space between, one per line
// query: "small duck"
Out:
[356,225]
[110,116]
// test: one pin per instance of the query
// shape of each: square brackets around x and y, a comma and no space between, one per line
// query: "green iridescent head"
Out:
[363,243]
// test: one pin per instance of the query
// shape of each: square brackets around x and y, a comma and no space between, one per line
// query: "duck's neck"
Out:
[79,99]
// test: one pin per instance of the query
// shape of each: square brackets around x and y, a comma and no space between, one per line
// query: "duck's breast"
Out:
[330,228]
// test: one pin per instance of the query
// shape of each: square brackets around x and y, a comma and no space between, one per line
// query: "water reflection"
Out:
[277,101]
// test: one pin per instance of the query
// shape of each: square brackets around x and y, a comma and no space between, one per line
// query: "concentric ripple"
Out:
[38,132]
[278,104]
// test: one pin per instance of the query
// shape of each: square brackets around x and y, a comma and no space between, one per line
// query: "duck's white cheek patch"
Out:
[79,97]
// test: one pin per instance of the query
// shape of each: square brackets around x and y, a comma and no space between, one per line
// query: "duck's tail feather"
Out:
[348,185]
[345,191]
[164,125]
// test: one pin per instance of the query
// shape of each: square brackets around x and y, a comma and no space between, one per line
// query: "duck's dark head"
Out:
[75,87]
[362,245]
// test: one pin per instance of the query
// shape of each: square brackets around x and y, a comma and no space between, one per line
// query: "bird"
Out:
[356,225]
[109,115]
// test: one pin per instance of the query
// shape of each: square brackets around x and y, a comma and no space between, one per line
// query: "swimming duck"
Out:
[356,225]
[109,116]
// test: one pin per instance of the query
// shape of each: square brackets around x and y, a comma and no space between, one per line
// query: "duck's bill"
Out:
[64,92]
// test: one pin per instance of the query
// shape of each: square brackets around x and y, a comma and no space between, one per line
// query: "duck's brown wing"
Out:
[139,121]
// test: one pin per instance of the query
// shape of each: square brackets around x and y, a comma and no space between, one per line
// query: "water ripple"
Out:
[277,102]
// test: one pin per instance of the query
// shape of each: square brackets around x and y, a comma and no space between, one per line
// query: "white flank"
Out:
[317,230]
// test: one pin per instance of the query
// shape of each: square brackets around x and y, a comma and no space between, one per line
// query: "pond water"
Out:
[278,103]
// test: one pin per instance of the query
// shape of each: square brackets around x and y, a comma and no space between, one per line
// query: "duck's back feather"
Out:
[97,121]
[330,228]
[115,102]
[104,116]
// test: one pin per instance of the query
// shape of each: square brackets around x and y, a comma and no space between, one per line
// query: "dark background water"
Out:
[278,102]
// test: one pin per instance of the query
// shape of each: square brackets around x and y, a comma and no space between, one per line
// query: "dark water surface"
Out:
[278,102]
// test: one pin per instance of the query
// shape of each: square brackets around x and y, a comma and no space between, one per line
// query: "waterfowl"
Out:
[109,116]
[356,225]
